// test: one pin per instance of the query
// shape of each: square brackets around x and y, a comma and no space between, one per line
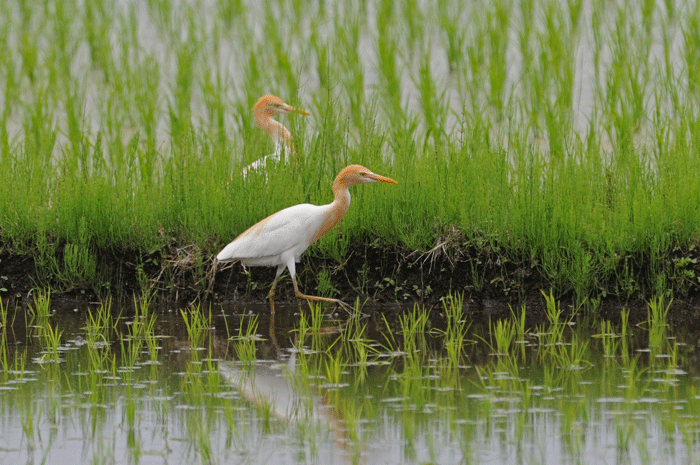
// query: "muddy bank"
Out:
[379,274]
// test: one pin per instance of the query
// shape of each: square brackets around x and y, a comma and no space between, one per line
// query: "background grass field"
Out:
[562,132]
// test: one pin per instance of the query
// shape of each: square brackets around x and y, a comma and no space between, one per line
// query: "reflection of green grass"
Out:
[529,395]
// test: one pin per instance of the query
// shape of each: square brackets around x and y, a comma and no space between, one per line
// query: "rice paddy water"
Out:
[431,385]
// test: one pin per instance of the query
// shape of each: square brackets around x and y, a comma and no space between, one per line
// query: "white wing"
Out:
[288,230]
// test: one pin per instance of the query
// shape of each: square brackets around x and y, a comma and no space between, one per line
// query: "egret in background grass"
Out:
[281,238]
[263,111]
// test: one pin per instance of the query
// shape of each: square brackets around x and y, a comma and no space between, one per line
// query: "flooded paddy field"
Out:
[537,145]
[230,384]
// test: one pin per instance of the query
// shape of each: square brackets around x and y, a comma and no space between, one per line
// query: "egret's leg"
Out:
[271,295]
[321,299]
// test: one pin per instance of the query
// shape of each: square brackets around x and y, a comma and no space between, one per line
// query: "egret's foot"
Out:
[340,303]
[348,308]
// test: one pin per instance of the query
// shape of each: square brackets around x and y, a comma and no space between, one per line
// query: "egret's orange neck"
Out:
[338,208]
[279,134]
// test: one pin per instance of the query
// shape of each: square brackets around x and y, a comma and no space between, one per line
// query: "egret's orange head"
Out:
[358,174]
[271,104]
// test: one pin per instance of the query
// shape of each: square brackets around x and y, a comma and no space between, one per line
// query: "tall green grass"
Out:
[564,132]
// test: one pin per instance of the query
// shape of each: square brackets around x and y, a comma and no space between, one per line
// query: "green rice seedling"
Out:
[42,306]
[571,356]
[245,340]
[457,328]
[353,74]
[497,20]
[503,336]
[552,310]
[390,344]
[449,19]
[99,325]
[100,358]
[196,324]
[142,325]
[657,311]
[433,102]
[4,352]
[387,52]
[247,328]
[313,328]
[334,368]
[3,316]
[302,328]
[316,320]
[357,346]
[413,328]
[51,339]
[520,321]
[139,330]
[553,333]
[625,322]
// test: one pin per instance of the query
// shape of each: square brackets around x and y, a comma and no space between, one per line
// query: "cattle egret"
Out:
[263,111]
[281,238]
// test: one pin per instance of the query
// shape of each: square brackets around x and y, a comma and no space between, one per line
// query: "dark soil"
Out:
[387,277]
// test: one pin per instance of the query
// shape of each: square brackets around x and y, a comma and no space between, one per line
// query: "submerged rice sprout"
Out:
[413,328]
[609,339]
[317,316]
[334,368]
[657,311]
[552,333]
[51,339]
[572,355]
[357,346]
[457,328]
[196,324]
[139,330]
[99,325]
[520,321]
[502,336]
[245,340]
[42,306]
[503,374]
[4,360]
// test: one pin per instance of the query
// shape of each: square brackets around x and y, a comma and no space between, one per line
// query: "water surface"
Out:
[148,390]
